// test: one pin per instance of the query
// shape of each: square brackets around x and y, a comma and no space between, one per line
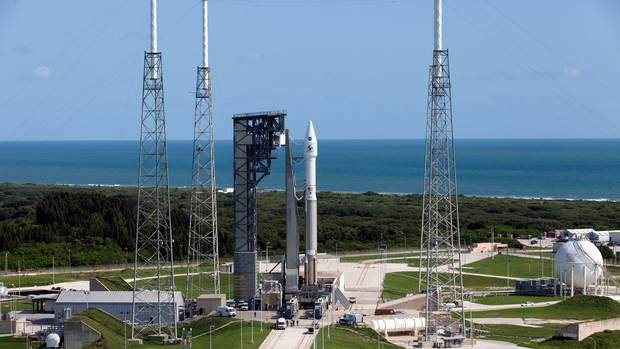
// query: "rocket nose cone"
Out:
[310,143]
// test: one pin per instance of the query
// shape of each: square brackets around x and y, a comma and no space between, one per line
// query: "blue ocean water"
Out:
[575,169]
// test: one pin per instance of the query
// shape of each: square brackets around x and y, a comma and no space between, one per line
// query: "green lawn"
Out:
[397,285]
[226,333]
[12,343]
[180,282]
[343,337]
[578,308]
[606,339]
[115,283]
[517,334]
[500,300]
[505,265]
[47,279]
[359,259]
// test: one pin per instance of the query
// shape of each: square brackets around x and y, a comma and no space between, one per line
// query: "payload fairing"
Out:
[310,154]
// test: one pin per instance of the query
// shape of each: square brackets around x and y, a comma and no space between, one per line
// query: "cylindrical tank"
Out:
[578,263]
[398,324]
[52,341]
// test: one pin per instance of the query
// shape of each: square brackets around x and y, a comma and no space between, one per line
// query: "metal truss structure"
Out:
[153,243]
[440,236]
[203,250]
[255,136]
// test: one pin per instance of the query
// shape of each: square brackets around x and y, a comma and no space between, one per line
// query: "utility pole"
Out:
[53,271]
[493,243]
[507,269]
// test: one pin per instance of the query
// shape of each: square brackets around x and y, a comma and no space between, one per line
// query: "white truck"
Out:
[226,311]
[281,324]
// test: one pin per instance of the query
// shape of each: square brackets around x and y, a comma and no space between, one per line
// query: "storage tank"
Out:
[578,263]
[52,341]
[398,325]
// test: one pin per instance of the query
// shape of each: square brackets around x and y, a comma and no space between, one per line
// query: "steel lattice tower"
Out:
[440,237]
[154,307]
[203,233]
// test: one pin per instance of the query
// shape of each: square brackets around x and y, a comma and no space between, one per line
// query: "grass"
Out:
[521,335]
[504,265]
[226,333]
[180,282]
[12,343]
[115,283]
[363,258]
[606,339]
[578,308]
[48,278]
[343,337]
[500,300]
[397,285]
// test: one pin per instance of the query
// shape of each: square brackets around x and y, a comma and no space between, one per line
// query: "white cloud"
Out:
[41,72]
[571,72]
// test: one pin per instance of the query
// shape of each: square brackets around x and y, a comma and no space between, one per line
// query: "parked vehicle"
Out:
[226,311]
[380,311]
[527,304]
[291,308]
[281,324]
[351,319]
[243,306]
[352,300]
[320,307]
[231,303]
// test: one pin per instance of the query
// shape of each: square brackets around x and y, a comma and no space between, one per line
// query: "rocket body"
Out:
[310,154]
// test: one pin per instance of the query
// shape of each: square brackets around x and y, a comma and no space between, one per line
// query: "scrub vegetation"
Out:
[96,225]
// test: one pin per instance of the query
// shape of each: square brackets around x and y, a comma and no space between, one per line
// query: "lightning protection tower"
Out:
[203,242]
[440,237]
[154,301]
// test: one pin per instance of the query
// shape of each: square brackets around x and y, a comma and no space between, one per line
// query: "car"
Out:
[352,300]
[281,324]
[231,303]
[527,304]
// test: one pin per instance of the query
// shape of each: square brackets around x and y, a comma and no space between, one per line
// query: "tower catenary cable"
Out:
[154,303]
[440,236]
[203,261]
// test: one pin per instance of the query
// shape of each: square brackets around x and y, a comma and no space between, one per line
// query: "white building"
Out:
[614,236]
[576,234]
[599,236]
[118,304]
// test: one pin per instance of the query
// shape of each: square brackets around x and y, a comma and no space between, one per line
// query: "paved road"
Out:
[469,306]
[292,337]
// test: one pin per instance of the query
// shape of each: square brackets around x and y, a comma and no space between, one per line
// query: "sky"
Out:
[72,69]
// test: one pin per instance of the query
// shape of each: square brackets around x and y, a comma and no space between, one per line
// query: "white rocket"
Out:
[310,154]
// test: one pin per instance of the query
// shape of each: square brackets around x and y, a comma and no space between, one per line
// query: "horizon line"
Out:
[323,139]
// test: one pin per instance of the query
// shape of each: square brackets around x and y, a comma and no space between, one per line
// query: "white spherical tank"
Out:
[578,263]
[52,341]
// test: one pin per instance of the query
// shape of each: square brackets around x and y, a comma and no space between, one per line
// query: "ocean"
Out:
[567,169]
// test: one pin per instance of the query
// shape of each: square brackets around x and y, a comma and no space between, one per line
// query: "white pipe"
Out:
[153,26]
[205,35]
[438,25]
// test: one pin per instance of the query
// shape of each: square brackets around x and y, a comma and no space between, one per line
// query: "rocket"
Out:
[310,154]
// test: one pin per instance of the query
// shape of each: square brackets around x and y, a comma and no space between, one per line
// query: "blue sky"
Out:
[71,69]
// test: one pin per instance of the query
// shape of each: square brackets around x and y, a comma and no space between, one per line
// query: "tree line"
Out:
[96,225]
